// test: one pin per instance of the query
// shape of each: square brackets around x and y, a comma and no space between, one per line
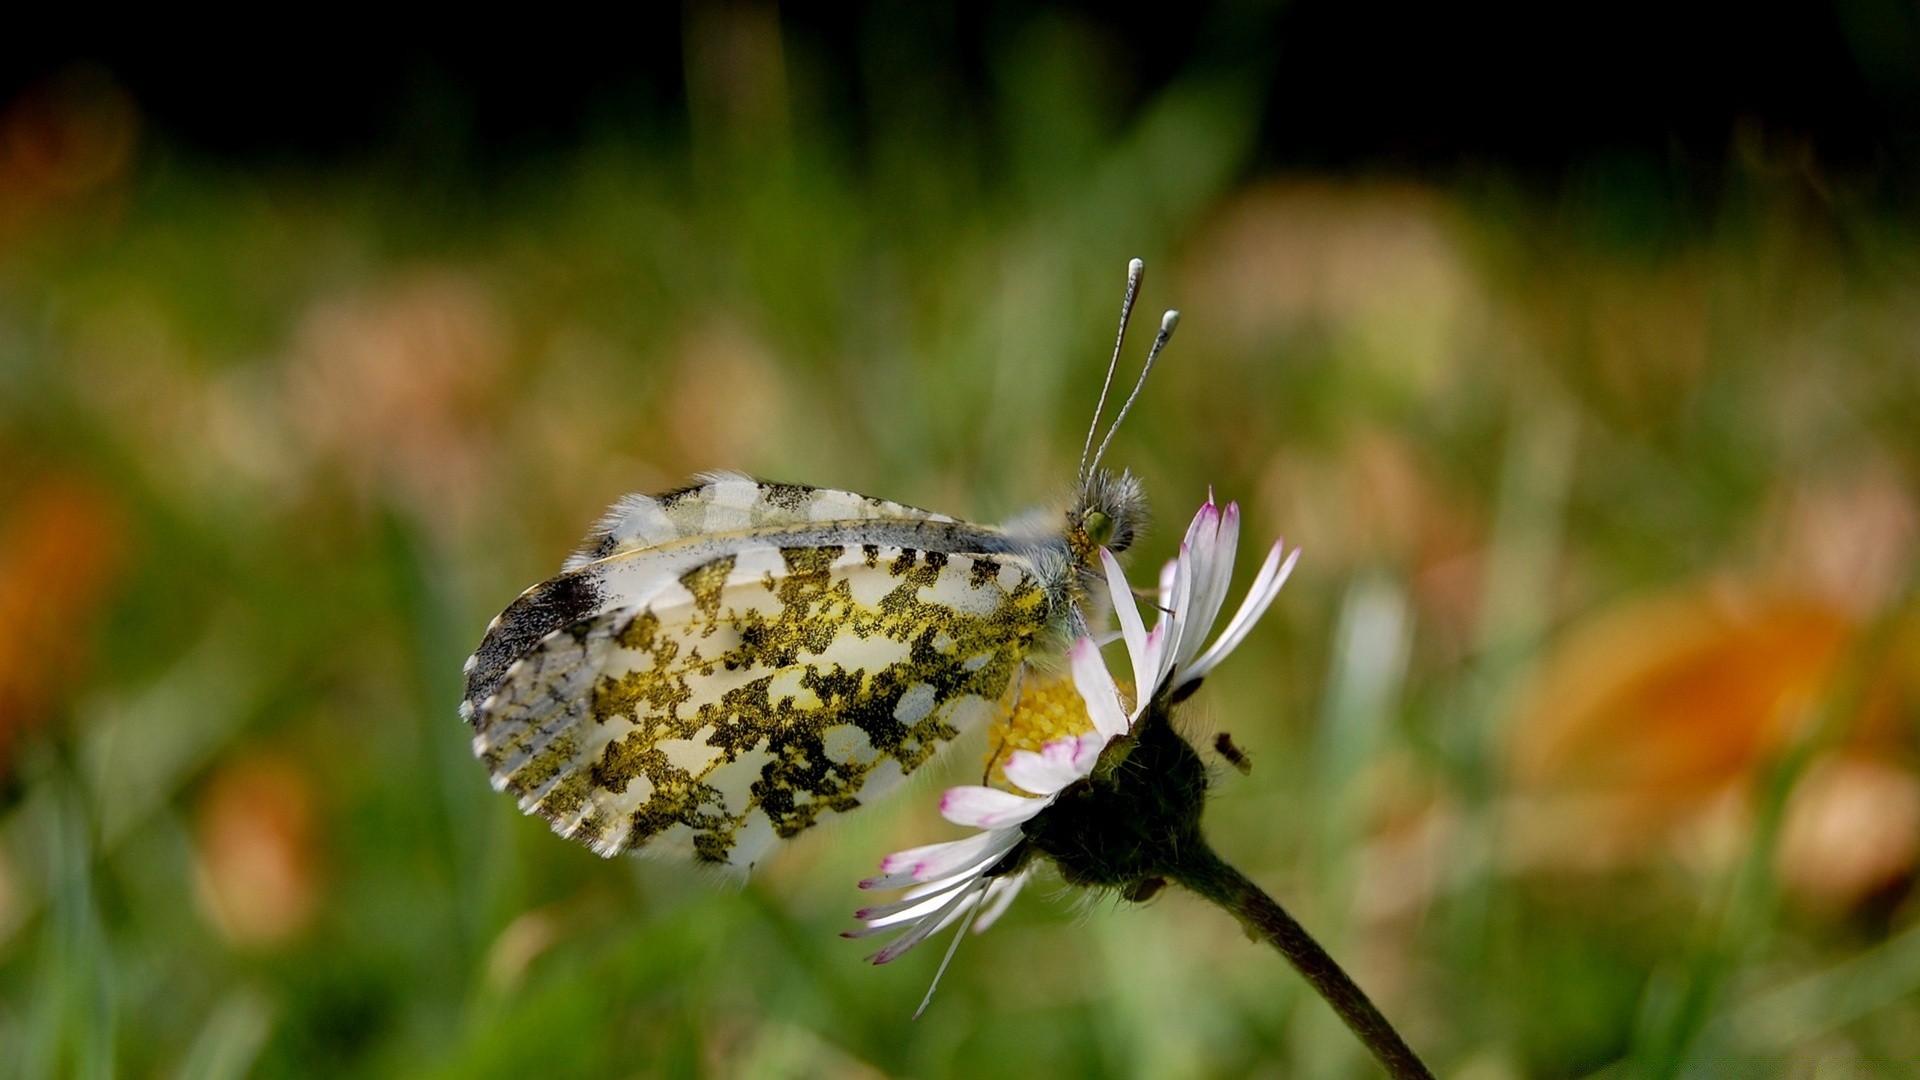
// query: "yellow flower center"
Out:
[1049,708]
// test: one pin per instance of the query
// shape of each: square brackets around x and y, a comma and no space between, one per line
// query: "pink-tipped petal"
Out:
[1086,751]
[931,861]
[917,902]
[880,927]
[1206,521]
[941,916]
[1273,574]
[1199,552]
[1059,763]
[892,916]
[1097,689]
[1213,576]
[987,808]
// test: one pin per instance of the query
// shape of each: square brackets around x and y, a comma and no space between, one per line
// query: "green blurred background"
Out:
[1580,351]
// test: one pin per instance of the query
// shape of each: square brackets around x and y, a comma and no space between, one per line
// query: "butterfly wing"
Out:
[646,543]
[721,503]
[735,703]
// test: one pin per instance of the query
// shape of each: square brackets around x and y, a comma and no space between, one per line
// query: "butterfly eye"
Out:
[1099,526]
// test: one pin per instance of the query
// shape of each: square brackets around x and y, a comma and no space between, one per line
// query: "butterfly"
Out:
[719,667]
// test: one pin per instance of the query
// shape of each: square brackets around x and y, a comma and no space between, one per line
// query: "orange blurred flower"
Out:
[1669,698]
[1645,729]
[258,865]
[60,553]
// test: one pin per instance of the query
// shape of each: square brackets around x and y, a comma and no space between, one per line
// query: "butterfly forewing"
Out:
[738,701]
[645,543]
[723,503]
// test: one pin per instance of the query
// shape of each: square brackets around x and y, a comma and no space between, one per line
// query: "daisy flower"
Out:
[973,880]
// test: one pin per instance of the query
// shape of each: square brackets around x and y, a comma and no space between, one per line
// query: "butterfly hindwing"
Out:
[755,691]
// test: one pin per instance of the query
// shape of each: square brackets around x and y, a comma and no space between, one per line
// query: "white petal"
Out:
[952,947]
[1181,633]
[1000,895]
[1153,664]
[1202,530]
[939,860]
[940,885]
[1273,574]
[987,808]
[945,919]
[1213,576]
[916,903]
[1124,607]
[1095,683]
[1059,763]
[1203,544]
[1087,753]
[1036,773]
[945,914]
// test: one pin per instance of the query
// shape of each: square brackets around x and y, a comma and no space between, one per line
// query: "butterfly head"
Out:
[1109,512]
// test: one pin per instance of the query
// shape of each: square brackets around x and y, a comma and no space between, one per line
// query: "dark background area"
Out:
[1522,87]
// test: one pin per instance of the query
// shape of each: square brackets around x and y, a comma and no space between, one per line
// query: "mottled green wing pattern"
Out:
[755,693]
[648,542]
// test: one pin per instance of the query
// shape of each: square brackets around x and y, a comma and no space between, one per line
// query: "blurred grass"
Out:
[321,426]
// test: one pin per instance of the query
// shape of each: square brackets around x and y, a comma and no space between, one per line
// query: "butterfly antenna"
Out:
[1135,271]
[1167,322]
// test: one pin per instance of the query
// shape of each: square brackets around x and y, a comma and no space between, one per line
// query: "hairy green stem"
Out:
[1208,876]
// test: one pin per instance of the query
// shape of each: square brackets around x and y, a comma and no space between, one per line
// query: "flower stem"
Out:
[1210,877]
